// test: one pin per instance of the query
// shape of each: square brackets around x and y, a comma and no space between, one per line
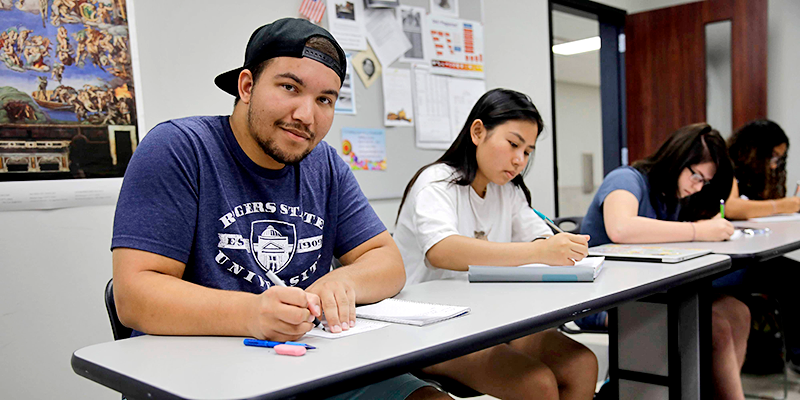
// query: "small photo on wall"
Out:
[445,8]
[367,66]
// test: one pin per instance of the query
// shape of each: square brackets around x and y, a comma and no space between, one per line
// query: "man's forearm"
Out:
[157,303]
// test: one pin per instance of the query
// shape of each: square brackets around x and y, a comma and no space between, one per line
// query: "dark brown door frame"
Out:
[665,64]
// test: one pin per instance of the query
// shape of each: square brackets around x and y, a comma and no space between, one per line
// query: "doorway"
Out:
[587,64]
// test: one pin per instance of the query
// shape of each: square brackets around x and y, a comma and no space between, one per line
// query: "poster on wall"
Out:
[398,104]
[364,149]
[457,47]
[67,95]
[346,23]
[415,26]
[346,103]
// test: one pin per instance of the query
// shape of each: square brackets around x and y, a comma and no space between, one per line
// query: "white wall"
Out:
[517,57]
[580,130]
[783,99]
[56,263]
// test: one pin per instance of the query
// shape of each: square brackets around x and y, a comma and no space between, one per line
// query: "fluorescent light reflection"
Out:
[577,46]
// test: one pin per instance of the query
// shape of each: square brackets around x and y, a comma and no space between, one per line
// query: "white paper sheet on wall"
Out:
[442,105]
[432,109]
[463,94]
[48,195]
[415,26]
[346,103]
[385,35]
[346,23]
[398,108]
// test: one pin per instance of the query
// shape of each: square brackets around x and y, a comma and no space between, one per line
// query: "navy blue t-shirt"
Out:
[631,180]
[190,193]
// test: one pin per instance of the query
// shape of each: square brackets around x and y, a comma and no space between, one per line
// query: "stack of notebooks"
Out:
[409,312]
[585,270]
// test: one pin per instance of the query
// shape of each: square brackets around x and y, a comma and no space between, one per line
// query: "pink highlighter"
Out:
[290,350]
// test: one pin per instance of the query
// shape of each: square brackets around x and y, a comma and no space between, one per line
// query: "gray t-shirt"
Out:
[631,180]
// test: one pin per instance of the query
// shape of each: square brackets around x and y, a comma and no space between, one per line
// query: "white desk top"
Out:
[223,368]
[783,238]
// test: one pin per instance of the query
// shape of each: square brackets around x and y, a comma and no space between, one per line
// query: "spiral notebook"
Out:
[409,312]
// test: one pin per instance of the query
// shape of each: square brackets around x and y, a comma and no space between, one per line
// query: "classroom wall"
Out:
[55,263]
[580,131]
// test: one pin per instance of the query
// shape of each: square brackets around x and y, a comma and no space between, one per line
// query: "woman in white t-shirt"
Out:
[472,207]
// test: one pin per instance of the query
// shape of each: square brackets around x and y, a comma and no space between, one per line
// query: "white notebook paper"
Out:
[409,312]
[777,218]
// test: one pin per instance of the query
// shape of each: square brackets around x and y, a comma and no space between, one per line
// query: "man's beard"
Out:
[270,148]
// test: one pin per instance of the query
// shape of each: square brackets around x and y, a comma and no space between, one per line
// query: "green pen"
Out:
[722,208]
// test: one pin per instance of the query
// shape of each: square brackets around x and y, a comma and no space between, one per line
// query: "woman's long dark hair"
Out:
[494,108]
[690,145]
[751,150]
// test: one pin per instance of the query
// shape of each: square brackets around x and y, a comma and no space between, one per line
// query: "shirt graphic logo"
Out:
[273,244]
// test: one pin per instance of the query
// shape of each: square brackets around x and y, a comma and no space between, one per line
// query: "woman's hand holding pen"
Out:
[562,249]
[283,313]
[715,229]
[338,299]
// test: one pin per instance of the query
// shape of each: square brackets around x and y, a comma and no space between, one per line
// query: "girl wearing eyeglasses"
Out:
[758,151]
[644,204]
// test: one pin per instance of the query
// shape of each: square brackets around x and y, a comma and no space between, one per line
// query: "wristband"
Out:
[694,232]
[774,207]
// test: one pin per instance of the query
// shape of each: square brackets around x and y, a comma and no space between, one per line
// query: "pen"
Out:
[722,208]
[797,189]
[278,282]
[547,221]
[271,344]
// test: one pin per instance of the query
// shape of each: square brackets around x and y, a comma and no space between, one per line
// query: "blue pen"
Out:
[271,344]
[547,221]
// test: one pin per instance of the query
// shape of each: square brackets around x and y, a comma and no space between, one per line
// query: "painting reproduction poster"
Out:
[67,95]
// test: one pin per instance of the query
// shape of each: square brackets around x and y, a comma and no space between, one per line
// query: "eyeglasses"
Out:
[698,178]
[777,161]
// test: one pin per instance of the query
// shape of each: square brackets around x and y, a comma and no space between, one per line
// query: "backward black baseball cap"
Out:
[285,37]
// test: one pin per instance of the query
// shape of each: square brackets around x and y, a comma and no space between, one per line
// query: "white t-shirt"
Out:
[435,209]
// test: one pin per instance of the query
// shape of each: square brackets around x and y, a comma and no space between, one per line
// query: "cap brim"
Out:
[229,81]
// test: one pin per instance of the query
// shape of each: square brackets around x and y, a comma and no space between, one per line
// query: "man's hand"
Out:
[338,299]
[284,314]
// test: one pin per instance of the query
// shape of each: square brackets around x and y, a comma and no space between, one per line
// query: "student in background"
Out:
[758,151]
[471,206]
[642,204]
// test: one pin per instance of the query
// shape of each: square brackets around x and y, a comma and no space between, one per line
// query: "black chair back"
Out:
[120,331]
[566,224]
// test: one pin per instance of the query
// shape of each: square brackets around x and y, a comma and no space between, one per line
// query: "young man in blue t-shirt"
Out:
[209,204]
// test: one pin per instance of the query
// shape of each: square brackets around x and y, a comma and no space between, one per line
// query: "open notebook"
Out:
[409,312]
[585,270]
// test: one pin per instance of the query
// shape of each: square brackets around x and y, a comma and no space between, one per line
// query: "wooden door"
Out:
[666,73]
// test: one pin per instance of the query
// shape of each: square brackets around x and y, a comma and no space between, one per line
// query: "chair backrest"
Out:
[120,331]
[567,221]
